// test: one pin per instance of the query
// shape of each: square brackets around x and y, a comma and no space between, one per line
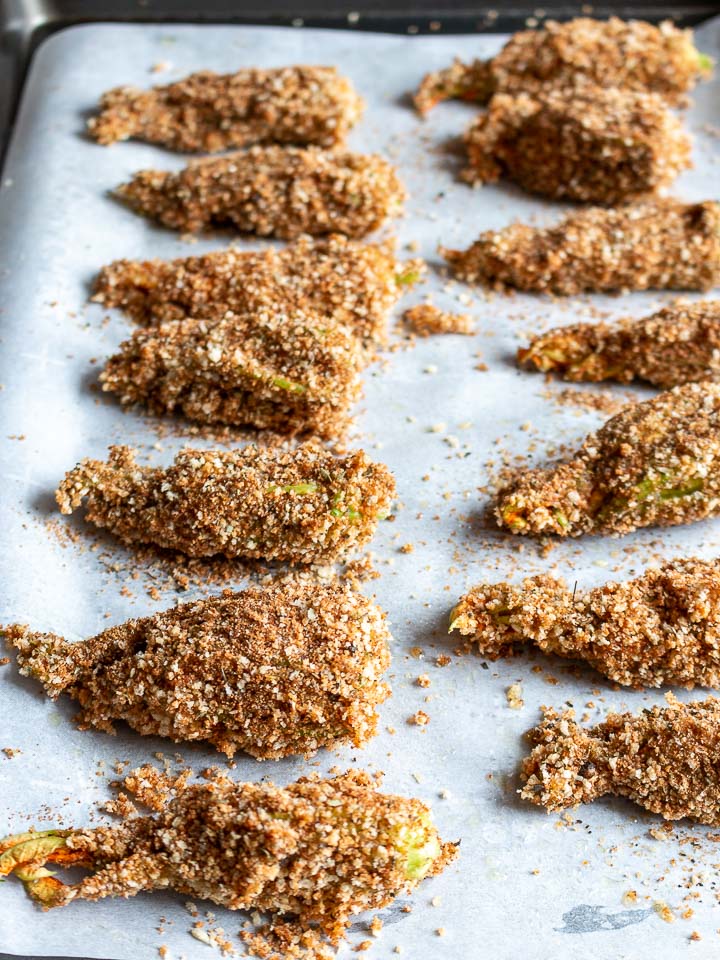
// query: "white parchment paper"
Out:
[523,884]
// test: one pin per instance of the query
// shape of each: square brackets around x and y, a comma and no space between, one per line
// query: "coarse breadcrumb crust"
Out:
[424,319]
[311,854]
[631,54]
[273,192]
[660,628]
[271,672]
[207,112]
[353,283]
[656,463]
[460,81]
[658,244]
[592,144]
[303,505]
[667,760]
[678,344]
[287,370]
[151,786]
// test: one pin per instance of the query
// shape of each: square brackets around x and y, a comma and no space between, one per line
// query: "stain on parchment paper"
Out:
[586,918]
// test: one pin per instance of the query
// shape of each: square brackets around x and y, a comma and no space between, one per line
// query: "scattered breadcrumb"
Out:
[120,806]
[604,401]
[663,911]
[513,694]
[425,320]
[419,718]
[154,788]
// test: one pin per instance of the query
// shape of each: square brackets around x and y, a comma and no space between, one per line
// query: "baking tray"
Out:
[24,24]
[427,412]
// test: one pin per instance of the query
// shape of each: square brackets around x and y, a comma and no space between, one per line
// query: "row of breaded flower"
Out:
[274,340]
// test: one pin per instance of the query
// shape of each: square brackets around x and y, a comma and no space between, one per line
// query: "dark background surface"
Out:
[26,23]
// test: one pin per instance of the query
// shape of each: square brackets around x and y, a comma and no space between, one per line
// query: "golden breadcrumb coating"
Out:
[655,463]
[273,192]
[291,372]
[151,786]
[678,344]
[667,760]
[424,319]
[353,283]
[473,82]
[654,245]
[272,672]
[207,112]
[592,144]
[630,54]
[660,628]
[304,505]
[318,851]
